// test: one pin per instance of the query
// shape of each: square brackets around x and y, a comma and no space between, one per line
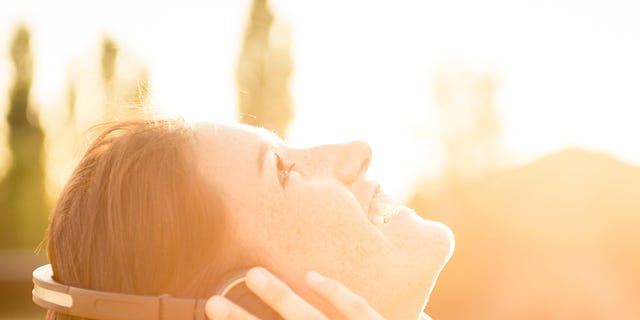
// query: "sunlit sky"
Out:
[569,70]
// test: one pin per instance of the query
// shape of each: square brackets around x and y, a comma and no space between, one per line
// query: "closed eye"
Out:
[284,171]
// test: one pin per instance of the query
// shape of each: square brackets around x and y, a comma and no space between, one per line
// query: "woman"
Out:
[163,207]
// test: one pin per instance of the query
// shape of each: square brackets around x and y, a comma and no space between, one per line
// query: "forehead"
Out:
[228,158]
[231,148]
[232,132]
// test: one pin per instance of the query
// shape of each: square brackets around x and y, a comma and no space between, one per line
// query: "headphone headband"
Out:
[100,305]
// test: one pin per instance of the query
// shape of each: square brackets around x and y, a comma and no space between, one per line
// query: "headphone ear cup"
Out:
[241,295]
[234,288]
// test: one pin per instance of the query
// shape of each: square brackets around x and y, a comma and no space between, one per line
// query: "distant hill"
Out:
[556,239]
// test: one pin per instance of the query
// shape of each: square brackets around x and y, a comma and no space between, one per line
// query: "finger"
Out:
[350,304]
[220,308]
[279,296]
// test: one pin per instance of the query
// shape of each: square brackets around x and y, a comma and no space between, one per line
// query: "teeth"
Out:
[385,215]
[384,209]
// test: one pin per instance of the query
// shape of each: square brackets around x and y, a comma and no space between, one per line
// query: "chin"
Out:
[425,249]
[446,240]
[437,250]
[422,243]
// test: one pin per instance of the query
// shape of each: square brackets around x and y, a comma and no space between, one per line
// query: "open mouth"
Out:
[382,208]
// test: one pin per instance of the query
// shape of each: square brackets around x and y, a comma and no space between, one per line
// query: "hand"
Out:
[288,304]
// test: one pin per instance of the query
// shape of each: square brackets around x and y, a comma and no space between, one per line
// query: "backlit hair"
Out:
[135,216]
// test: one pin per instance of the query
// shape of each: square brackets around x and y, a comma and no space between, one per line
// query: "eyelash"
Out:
[283,171]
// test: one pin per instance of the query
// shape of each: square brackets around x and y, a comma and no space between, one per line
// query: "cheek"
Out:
[316,215]
[320,221]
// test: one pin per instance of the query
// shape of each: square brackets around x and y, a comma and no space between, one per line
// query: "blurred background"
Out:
[514,122]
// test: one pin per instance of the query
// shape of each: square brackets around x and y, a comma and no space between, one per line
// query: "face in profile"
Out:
[295,210]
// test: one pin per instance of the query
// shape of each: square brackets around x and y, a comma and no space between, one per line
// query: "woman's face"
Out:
[296,210]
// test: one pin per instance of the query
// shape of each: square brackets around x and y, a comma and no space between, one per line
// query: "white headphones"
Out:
[100,305]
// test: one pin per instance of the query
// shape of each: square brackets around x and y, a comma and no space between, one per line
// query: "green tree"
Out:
[263,72]
[23,207]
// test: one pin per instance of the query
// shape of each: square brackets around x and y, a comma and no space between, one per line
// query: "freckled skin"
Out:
[318,221]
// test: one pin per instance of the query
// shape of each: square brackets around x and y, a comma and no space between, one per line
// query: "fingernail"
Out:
[257,278]
[217,308]
[313,278]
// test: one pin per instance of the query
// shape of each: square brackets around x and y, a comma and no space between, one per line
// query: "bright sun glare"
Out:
[568,74]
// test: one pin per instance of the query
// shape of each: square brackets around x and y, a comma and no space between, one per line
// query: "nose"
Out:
[352,161]
[346,162]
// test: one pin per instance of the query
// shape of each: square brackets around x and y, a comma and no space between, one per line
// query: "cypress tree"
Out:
[263,72]
[23,207]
